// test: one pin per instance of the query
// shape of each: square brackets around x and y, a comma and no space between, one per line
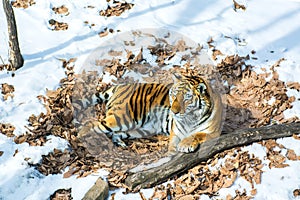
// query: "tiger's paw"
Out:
[118,141]
[191,143]
[187,145]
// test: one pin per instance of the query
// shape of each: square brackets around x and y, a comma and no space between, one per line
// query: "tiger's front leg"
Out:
[173,143]
[192,142]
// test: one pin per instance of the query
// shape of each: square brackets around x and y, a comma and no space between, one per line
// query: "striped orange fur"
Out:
[188,110]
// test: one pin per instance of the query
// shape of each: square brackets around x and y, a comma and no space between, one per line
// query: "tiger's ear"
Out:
[177,77]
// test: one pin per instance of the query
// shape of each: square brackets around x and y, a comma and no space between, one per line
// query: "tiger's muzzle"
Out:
[178,105]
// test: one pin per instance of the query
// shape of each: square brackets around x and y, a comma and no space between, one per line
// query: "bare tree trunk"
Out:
[181,162]
[15,56]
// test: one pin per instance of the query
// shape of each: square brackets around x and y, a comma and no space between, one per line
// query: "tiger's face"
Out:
[189,94]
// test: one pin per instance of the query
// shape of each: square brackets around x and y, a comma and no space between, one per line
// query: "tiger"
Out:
[188,111]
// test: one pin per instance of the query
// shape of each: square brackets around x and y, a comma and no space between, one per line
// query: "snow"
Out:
[271,28]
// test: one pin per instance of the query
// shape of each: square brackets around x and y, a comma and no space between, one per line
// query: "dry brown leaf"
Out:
[291,155]
[296,192]
[216,53]
[62,194]
[115,53]
[253,192]
[293,85]
[230,180]
[237,6]
[7,129]
[257,177]
[61,10]
[159,195]
[7,91]
[297,137]
[229,197]
[187,197]
[277,63]
[193,187]
[58,26]
[178,190]
[104,33]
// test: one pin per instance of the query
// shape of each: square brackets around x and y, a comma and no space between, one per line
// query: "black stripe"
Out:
[163,99]
[126,122]
[162,119]
[168,122]
[135,103]
[206,115]
[151,100]
[140,132]
[106,127]
[125,90]
[131,104]
[141,106]
[147,104]
[118,120]
[158,92]
[129,91]
[200,105]
[181,126]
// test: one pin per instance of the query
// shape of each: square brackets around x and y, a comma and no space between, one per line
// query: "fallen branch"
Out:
[182,162]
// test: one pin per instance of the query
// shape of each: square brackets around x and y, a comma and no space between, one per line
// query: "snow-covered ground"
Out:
[271,28]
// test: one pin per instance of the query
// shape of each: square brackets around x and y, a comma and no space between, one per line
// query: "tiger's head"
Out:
[189,94]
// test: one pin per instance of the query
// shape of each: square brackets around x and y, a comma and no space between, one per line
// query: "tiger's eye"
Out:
[201,88]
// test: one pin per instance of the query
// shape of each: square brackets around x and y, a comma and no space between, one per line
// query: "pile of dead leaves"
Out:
[266,100]
[65,114]
[162,51]
[116,9]
[274,154]
[222,170]
[7,91]
[22,3]
[208,178]
[58,26]
[58,121]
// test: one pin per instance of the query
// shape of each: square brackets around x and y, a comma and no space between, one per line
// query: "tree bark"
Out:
[181,162]
[15,56]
